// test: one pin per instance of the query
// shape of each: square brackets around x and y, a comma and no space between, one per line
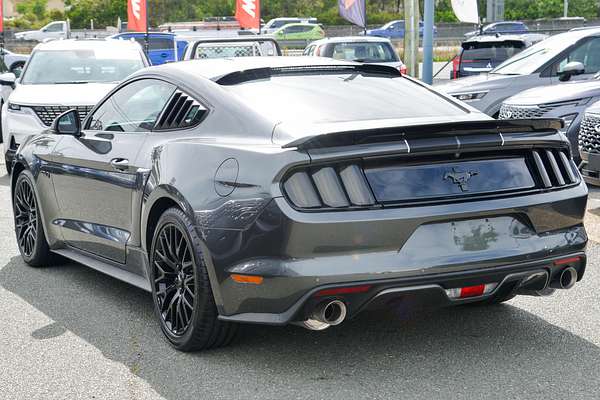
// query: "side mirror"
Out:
[67,123]
[571,69]
[8,79]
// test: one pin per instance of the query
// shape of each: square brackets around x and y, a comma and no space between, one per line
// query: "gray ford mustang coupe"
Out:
[299,190]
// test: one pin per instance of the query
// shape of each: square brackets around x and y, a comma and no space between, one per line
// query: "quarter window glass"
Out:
[588,54]
[134,108]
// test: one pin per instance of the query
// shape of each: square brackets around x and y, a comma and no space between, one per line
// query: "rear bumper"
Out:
[412,294]
[299,253]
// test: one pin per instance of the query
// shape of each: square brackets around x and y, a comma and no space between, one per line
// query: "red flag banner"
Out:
[1,16]
[247,12]
[136,15]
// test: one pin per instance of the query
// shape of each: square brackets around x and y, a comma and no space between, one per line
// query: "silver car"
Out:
[364,49]
[573,55]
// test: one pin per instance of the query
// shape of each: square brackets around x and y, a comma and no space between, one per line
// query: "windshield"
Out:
[497,52]
[227,51]
[342,96]
[363,52]
[81,66]
[530,60]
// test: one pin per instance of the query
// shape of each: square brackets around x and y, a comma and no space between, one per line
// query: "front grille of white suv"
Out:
[589,134]
[520,112]
[47,114]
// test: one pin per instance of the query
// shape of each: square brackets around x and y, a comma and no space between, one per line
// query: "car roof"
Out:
[300,23]
[352,39]
[86,44]
[497,38]
[215,68]
[142,33]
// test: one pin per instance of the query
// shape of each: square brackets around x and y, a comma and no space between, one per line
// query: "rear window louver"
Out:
[554,168]
[182,111]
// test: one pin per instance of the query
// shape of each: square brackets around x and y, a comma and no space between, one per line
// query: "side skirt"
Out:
[106,267]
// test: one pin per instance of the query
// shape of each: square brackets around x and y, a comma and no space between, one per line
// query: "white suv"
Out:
[62,75]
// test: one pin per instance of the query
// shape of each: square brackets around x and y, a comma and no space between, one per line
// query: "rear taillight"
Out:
[471,291]
[329,187]
[403,70]
[455,64]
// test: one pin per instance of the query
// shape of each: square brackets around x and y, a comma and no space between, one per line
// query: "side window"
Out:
[134,108]
[308,51]
[54,27]
[161,44]
[588,54]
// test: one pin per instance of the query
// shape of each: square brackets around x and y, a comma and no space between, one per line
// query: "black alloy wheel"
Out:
[174,281]
[183,300]
[28,225]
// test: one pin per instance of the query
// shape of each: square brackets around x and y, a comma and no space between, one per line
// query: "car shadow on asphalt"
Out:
[450,353]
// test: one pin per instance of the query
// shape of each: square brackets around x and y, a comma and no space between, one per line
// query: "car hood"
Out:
[475,83]
[65,95]
[556,93]
[25,33]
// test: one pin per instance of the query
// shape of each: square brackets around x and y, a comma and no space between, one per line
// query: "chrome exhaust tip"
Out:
[325,314]
[566,279]
[332,313]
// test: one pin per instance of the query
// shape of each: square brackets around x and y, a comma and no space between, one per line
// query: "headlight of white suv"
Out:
[470,96]
[19,109]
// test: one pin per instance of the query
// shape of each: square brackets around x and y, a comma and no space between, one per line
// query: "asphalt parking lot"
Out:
[68,332]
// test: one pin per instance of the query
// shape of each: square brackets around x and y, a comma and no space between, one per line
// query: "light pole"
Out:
[428,13]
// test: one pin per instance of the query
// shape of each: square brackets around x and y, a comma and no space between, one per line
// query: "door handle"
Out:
[120,164]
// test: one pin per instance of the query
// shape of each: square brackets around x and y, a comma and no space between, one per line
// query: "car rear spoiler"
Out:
[445,129]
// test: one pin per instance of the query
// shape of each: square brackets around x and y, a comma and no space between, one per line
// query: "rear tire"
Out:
[183,300]
[29,229]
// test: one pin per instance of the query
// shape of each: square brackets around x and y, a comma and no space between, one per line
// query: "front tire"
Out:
[29,229]
[183,300]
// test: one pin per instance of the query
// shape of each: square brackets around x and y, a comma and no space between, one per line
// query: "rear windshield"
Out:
[362,52]
[342,96]
[490,51]
[81,66]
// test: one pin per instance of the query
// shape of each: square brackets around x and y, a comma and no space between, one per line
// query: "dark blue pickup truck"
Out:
[163,47]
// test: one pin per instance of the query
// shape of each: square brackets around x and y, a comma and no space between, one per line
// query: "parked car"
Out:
[231,204]
[162,47]
[244,46]
[589,144]
[372,50]
[573,55]
[273,24]
[14,62]
[481,54]
[395,30]
[567,102]
[299,31]
[62,75]
[54,30]
[7,84]
[504,27]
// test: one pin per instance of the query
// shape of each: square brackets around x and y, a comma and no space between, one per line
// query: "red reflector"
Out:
[566,261]
[472,291]
[343,290]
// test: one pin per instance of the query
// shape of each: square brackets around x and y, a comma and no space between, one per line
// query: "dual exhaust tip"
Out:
[325,314]
[537,284]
